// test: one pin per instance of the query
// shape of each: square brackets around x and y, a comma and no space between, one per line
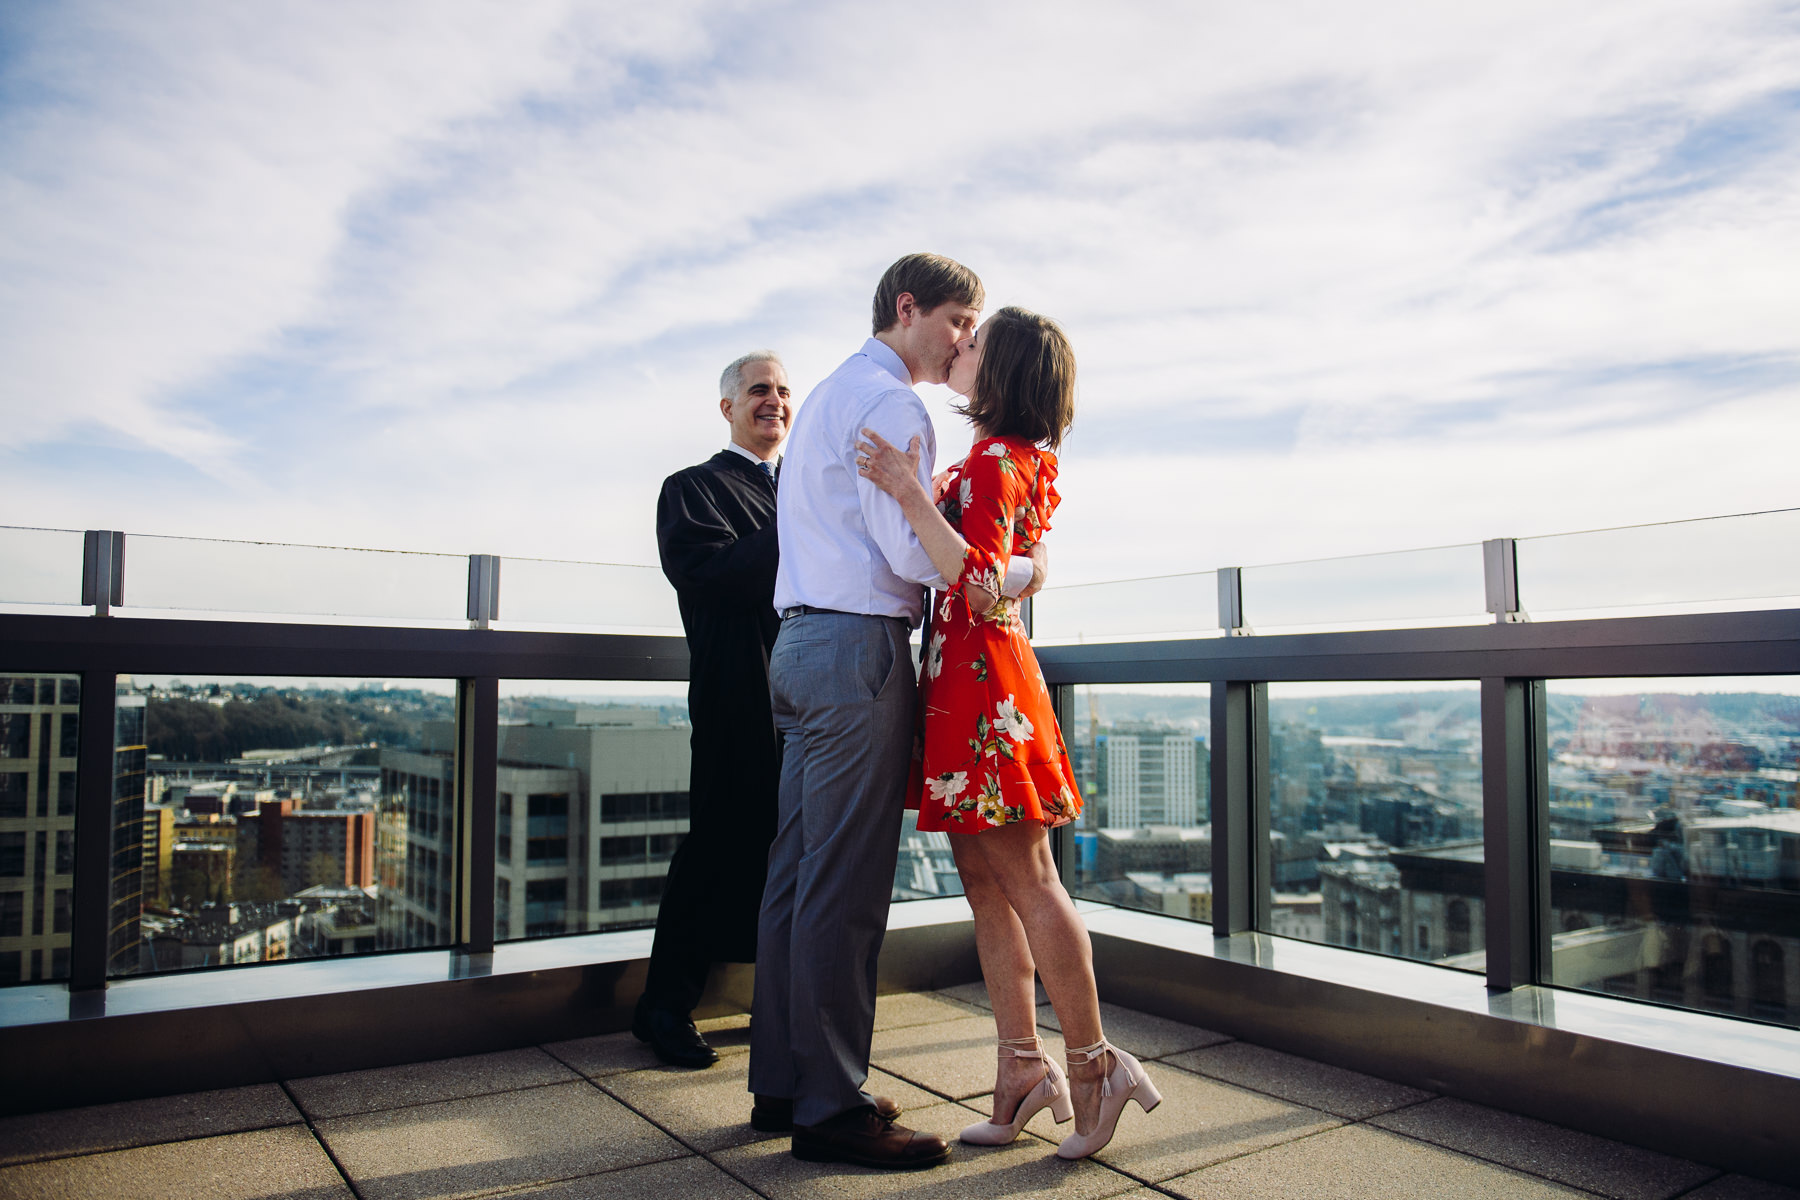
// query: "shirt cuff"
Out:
[1018,575]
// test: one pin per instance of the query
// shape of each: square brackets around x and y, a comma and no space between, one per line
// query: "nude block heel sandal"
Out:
[1126,1081]
[1052,1092]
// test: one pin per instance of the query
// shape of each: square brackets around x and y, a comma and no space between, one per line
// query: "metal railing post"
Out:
[1240,806]
[477,770]
[484,590]
[90,930]
[1500,563]
[103,570]
[1231,602]
[1515,813]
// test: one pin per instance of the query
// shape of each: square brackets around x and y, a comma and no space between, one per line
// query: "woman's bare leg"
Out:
[1007,967]
[1017,859]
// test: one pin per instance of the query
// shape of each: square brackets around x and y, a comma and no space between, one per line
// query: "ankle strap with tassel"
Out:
[1090,1053]
[1010,1048]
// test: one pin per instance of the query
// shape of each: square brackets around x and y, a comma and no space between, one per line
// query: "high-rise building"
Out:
[1152,776]
[39,732]
[591,804]
[307,847]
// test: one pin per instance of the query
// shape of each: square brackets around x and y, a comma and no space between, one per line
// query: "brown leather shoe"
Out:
[775,1114]
[862,1138]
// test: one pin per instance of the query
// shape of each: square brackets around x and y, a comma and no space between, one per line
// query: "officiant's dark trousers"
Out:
[844,691]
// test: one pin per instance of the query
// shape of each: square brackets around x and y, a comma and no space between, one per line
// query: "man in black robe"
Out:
[715,533]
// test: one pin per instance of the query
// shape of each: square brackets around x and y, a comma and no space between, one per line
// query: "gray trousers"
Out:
[844,693]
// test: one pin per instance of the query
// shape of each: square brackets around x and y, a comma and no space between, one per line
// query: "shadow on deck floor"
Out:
[600,1117]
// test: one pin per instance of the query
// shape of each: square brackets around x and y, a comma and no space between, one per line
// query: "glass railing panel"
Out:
[196,575]
[262,820]
[39,734]
[591,804]
[1375,819]
[1442,585]
[1674,841]
[1740,559]
[40,566]
[548,592]
[1142,764]
[1164,606]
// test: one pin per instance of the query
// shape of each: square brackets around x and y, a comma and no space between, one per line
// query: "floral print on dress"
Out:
[990,752]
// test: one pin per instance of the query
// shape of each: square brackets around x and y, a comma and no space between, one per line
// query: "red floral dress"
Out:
[991,752]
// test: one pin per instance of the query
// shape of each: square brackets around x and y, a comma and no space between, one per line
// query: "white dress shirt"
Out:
[759,461]
[845,544]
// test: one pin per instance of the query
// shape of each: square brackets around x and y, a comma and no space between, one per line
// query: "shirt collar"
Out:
[737,449]
[887,360]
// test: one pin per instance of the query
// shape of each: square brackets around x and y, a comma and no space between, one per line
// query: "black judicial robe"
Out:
[715,533]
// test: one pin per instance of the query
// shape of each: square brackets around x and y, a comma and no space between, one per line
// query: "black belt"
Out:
[802,609]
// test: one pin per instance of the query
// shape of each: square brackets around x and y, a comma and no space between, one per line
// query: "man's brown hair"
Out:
[932,279]
[1025,386]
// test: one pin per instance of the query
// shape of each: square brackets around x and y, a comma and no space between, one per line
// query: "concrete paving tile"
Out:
[1024,1169]
[1595,1163]
[1142,1034]
[920,1008]
[675,1179]
[976,994]
[710,1110]
[952,1058]
[266,1164]
[1356,1162]
[607,1054]
[128,1123]
[487,1143]
[325,1096]
[1200,1121]
[1345,1093]
[1742,1187]
[610,1053]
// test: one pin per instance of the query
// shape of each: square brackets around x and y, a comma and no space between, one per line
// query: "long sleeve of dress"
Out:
[700,550]
[995,498]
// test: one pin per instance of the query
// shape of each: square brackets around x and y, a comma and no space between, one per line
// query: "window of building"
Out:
[1768,979]
[622,851]
[15,735]
[71,735]
[13,800]
[64,902]
[12,914]
[65,793]
[12,966]
[630,893]
[547,829]
[544,905]
[65,851]
[12,854]
[1457,927]
[69,691]
[1715,969]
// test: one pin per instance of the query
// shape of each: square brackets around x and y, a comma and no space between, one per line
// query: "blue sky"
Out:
[460,277]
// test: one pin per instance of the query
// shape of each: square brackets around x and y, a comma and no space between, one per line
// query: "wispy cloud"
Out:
[421,274]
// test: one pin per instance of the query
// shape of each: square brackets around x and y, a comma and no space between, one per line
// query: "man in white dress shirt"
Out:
[850,585]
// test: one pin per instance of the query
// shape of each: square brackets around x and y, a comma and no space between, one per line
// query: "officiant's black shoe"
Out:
[775,1114]
[672,1036]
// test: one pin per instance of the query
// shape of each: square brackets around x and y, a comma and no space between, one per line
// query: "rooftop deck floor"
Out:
[600,1117]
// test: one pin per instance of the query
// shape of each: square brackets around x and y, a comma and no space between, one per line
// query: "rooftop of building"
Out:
[598,1116]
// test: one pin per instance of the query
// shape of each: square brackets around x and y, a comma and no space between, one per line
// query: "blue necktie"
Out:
[770,472]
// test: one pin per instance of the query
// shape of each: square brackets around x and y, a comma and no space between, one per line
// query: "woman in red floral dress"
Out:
[995,773]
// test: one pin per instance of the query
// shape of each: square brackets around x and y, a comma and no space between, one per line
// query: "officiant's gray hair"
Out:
[731,381]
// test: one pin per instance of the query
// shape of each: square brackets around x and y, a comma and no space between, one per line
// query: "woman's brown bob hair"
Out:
[1025,386]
